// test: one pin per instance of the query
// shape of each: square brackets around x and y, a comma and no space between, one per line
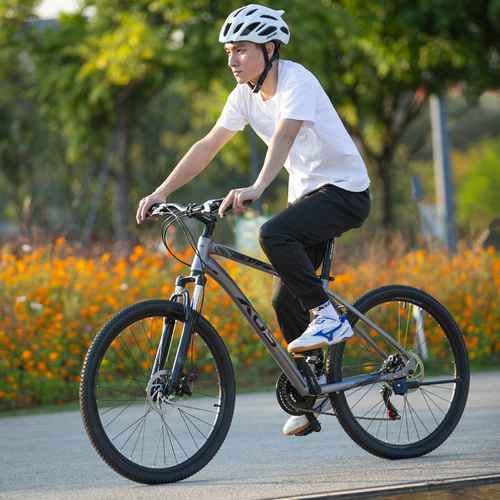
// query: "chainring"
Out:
[290,400]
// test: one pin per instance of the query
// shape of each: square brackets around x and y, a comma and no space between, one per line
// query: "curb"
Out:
[373,493]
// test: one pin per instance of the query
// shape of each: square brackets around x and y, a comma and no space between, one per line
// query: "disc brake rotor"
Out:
[419,373]
[157,393]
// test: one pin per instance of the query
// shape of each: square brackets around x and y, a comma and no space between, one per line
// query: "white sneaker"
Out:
[322,332]
[299,423]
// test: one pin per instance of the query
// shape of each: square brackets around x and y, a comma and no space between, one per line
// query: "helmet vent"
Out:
[284,30]
[268,31]
[251,12]
[226,30]
[250,28]
[238,28]
[269,17]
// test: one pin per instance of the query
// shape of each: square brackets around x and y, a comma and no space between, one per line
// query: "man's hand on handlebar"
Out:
[154,206]
[146,203]
[238,198]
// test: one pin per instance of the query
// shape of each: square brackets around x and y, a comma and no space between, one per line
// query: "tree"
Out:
[96,75]
[106,70]
[28,143]
[379,61]
[115,71]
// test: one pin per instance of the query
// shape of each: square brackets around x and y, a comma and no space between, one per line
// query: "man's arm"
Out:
[278,150]
[195,160]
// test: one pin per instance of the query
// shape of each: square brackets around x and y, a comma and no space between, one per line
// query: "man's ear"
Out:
[270,49]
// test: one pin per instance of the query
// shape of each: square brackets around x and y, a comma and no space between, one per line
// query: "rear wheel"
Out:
[411,418]
[138,428]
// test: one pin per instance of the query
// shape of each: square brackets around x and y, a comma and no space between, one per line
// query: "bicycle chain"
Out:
[303,410]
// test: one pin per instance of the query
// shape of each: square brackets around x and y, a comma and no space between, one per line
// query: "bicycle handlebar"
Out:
[209,207]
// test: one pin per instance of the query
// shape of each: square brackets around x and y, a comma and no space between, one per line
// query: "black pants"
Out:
[294,242]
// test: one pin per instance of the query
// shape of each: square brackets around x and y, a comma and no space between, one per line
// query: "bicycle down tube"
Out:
[204,263]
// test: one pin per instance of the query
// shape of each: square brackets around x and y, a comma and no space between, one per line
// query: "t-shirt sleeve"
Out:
[232,117]
[298,99]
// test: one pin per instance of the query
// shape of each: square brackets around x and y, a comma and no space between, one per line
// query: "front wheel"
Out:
[140,432]
[413,417]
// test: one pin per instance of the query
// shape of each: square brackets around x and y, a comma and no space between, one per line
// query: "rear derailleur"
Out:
[392,364]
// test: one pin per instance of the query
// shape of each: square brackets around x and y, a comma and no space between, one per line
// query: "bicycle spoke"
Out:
[399,419]
[143,420]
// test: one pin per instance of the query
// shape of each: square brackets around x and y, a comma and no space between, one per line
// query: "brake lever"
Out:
[158,209]
[211,206]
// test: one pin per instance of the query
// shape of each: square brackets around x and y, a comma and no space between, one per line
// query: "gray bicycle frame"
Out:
[204,263]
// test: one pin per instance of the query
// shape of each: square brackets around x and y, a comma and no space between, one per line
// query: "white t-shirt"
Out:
[323,151]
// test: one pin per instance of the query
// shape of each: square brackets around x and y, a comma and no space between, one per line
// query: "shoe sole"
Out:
[301,348]
[297,430]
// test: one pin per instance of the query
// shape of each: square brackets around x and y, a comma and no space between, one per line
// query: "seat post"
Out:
[327,261]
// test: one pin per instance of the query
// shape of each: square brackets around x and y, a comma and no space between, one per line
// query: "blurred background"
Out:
[99,99]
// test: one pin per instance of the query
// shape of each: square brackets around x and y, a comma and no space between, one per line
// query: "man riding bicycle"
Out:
[328,184]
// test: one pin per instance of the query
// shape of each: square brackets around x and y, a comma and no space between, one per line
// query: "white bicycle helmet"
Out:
[257,24]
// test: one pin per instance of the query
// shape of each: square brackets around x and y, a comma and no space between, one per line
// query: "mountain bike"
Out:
[157,388]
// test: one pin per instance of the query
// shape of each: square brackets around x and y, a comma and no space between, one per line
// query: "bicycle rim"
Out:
[144,438]
[384,423]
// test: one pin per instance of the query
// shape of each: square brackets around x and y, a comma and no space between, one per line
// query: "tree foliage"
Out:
[150,77]
[379,61]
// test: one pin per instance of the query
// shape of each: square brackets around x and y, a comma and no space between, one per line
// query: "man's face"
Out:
[246,61]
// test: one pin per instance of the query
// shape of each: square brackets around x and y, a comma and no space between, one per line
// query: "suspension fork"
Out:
[190,311]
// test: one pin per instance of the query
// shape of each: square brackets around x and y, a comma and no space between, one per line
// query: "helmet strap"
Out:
[269,66]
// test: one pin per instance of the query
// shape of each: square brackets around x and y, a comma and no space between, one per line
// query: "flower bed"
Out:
[54,301]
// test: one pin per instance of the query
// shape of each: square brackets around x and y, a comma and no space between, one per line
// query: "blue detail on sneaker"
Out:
[323,404]
[322,332]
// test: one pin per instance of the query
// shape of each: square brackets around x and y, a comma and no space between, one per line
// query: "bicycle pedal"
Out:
[313,421]
[308,430]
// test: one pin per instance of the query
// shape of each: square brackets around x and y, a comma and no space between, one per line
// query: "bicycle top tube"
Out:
[204,212]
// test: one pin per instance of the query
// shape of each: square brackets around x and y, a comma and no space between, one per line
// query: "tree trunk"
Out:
[123,217]
[381,170]
[387,201]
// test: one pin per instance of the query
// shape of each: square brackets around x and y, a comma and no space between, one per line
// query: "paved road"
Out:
[50,457]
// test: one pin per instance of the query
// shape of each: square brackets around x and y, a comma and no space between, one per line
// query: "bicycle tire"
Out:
[426,415]
[177,439]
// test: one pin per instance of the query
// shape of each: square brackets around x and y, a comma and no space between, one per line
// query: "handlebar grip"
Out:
[246,202]
[151,209]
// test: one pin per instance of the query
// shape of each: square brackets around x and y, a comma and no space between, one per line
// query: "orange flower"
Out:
[139,250]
